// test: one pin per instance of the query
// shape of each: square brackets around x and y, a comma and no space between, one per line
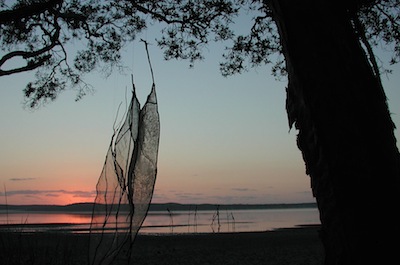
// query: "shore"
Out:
[298,245]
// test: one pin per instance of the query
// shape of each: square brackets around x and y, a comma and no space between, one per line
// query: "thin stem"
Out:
[148,58]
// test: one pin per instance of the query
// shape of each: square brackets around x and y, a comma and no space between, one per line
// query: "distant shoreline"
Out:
[88,207]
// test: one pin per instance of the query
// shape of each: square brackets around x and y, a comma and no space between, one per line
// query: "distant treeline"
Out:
[88,207]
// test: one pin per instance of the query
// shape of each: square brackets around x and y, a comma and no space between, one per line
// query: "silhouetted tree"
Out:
[336,101]
[64,39]
[334,97]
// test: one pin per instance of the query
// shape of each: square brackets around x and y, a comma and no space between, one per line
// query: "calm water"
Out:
[177,222]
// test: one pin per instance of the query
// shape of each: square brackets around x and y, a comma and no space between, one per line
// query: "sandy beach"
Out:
[283,246]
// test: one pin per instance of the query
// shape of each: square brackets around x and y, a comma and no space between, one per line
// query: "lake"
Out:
[163,222]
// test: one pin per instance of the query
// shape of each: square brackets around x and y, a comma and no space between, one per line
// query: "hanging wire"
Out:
[146,44]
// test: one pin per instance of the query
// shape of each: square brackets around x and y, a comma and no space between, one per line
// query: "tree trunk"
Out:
[345,131]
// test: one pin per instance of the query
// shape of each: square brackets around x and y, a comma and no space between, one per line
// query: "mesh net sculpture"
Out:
[126,183]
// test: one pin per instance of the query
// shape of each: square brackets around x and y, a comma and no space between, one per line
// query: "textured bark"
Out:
[345,131]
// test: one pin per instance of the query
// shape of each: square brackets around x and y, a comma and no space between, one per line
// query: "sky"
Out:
[223,140]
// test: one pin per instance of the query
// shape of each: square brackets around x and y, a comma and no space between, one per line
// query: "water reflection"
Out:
[169,222]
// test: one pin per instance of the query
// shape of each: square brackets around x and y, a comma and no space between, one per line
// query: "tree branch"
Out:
[25,11]
[30,66]
[361,33]
[389,17]
[156,15]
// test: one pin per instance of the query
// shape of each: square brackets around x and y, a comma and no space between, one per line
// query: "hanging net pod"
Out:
[126,184]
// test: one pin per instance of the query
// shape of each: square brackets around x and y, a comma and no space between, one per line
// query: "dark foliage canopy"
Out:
[38,35]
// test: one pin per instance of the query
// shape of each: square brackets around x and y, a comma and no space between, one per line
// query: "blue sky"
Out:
[223,140]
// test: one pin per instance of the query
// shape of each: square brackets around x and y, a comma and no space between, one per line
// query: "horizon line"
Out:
[166,203]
